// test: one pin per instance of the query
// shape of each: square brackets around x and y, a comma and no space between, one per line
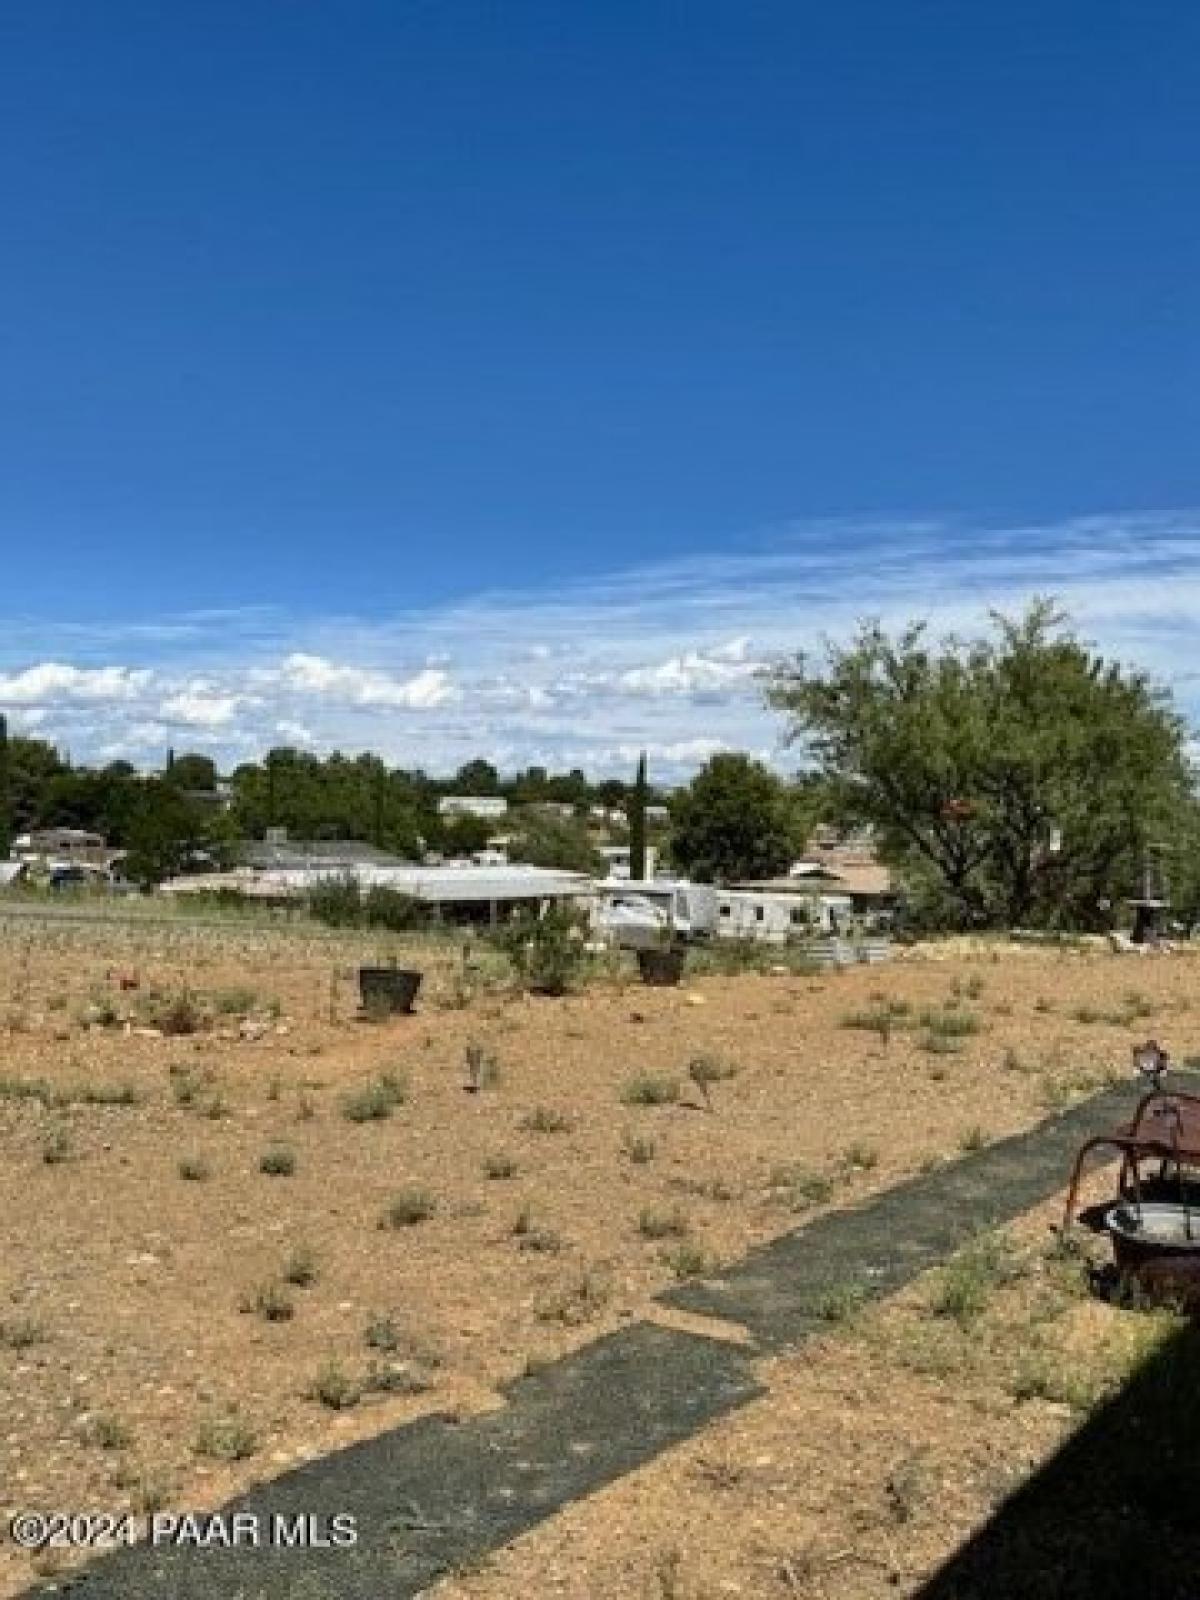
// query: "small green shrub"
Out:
[859,1158]
[270,1301]
[688,1261]
[226,1438]
[965,1285]
[799,1187]
[392,909]
[235,1002]
[194,1169]
[940,1044]
[19,1333]
[542,1241]
[576,1301]
[638,1149]
[107,1433]
[949,1023]
[381,1333]
[278,1162]
[671,1224]
[705,1070]
[542,1119]
[334,1388]
[57,1147]
[99,1094]
[650,1089]
[178,1016]
[499,1167]
[549,952]
[337,902]
[839,1302]
[394,1377]
[410,1207]
[376,1101]
[883,1017]
[300,1267]
[1040,1377]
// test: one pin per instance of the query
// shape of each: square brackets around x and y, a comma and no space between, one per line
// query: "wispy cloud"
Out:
[666,657]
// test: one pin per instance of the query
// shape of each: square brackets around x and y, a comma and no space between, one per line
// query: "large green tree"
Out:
[1015,778]
[192,771]
[561,842]
[734,820]
[168,833]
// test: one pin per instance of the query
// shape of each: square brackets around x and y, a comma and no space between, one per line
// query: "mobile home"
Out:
[772,918]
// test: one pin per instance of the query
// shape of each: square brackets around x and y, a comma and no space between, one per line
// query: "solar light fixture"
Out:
[1151,1061]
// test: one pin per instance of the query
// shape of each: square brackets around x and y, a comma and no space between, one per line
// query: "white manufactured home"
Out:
[772,918]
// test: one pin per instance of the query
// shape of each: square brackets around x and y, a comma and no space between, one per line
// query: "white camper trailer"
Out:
[641,913]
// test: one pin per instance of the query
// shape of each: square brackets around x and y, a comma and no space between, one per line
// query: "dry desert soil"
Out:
[244,1226]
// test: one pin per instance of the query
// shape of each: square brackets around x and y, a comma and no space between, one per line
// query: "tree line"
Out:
[171,819]
[1016,778]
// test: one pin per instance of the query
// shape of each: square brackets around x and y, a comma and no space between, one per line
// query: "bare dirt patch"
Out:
[232,1248]
[879,1449]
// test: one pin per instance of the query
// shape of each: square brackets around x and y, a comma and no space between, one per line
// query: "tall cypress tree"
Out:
[637,823]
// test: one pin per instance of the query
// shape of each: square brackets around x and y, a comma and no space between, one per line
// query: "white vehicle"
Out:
[640,914]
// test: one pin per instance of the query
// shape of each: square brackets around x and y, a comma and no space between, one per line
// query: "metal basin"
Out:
[1155,1232]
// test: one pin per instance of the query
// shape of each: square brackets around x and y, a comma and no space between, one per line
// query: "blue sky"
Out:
[448,377]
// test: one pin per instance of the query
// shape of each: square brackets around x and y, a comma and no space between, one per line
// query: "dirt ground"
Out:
[154,1352]
[877,1451]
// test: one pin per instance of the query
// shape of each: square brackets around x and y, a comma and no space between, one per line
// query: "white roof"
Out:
[512,882]
[445,884]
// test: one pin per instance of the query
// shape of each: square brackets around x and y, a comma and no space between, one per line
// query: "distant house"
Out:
[66,842]
[859,877]
[219,798]
[64,856]
[617,857]
[485,806]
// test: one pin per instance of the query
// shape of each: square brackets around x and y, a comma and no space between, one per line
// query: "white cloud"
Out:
[201,707]
[139,741]
[694,672]
[663,658]
[680,752]
[56,683]
[295,733]
[367,686]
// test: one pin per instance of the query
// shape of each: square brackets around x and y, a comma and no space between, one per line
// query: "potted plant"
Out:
[661,965]
[388,990]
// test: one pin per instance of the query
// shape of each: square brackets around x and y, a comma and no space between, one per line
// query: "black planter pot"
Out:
[388,990]
[663,968]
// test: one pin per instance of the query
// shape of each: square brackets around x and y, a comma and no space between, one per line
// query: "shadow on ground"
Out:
[1115,1513]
